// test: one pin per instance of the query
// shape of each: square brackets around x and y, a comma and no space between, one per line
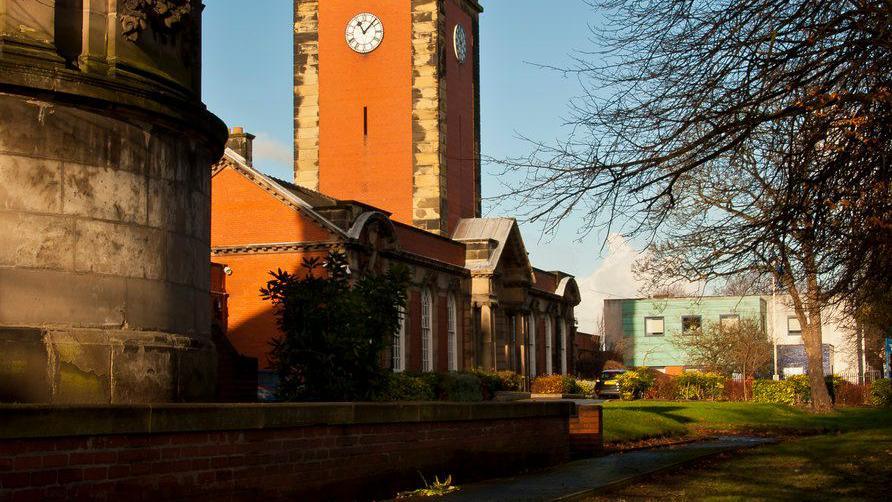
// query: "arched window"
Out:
[398,349]
[549,338]
[427,331]
[531,322]
[452,329]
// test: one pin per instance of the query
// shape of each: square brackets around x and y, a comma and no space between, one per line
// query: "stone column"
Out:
[104,204]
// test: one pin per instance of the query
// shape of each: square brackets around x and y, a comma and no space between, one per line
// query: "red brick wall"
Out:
[587,430]
[426,244]
[343,461]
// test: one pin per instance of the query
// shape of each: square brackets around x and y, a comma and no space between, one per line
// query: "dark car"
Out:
[607,386]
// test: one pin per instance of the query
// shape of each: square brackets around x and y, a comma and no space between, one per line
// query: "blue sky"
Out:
[248,82]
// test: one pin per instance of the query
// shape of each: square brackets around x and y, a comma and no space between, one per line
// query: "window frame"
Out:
[452,332]
[723,317]
[648,334]
[684,318]
[531,329]
[549,346]
[791,333]
[427,331]
[398,349]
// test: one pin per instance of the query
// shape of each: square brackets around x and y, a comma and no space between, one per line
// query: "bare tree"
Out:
[738,136]
[741,348]
[747,283]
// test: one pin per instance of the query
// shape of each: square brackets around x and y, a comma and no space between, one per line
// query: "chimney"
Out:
[241,143]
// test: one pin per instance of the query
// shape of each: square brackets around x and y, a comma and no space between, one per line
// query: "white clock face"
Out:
[365,33]
[460,40]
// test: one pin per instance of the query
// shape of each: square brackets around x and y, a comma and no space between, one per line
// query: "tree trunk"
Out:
[814,347]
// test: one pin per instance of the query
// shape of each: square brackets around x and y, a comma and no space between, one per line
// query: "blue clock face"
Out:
[365,32]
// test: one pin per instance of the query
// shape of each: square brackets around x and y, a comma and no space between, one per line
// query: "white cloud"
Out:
[269,150]
[612,279]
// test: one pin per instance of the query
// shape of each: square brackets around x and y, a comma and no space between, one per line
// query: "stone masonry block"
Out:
[30,184]
[103,193]
[36,241]
[159,305]
[118,249]
[32,297]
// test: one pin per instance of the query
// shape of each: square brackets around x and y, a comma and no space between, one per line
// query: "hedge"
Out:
[555,384]
[700,386]
[881,392]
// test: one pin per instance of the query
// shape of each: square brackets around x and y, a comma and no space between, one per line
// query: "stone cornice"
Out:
[273,248]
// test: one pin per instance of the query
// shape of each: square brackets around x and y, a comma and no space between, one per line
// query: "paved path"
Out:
[583,477]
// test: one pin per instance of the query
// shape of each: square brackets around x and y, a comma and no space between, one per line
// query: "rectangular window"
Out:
[690,322]
[452,333]
[654,326]
[399,345]
[427,335]
[729,321]
[793,326]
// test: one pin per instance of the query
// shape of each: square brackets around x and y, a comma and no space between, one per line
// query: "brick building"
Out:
[387,170]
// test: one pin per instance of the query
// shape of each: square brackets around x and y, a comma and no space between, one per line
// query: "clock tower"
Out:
[386,106]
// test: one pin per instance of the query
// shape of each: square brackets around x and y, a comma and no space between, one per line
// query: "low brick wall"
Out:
[275,452]
[587,430]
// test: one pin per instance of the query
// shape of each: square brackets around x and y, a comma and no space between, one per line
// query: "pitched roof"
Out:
[503,231]
[274,186]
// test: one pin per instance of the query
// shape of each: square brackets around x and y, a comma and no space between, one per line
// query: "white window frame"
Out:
[549,346]
[729,318]
[648,333]
[452,332]
[427,331]
[791,332]
[532,332]
[399,345]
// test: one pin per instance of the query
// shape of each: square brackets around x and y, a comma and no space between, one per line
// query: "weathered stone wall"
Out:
[104,209]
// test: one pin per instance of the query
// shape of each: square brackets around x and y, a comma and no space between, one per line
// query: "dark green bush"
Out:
[490,382]
[334,329]
[700,386]
[404,387]
[881,392]
[460,387]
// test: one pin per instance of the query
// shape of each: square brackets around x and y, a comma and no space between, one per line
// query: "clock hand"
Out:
[367,29]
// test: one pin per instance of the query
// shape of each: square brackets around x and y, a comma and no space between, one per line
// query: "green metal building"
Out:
[642,328]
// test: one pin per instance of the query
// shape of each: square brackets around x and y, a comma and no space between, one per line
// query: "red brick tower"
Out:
[387,106]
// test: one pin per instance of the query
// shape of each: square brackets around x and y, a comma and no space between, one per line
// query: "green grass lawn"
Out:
[848,466]
[639,420]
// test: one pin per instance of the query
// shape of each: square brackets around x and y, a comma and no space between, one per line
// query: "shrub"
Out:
[587,387]
[334,329]
[881,392]
[404,387]
[793,391]
[555,384]
[490,382]
[635,384]
[460,387]
[614,365]
[852,394]
[700,386]
[664,388]
[510,381]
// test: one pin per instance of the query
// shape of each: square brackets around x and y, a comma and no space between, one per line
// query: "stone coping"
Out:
[29,421]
